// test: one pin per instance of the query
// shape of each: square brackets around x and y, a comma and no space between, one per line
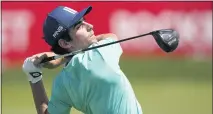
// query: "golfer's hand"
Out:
[34,73]
[51,64]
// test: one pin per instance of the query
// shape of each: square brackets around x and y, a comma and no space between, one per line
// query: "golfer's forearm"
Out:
[40,97]
[103,36]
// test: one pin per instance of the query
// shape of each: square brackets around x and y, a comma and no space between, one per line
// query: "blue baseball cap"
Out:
[59,21]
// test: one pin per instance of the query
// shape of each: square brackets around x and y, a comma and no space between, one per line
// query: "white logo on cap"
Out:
[59,29]
[69,10]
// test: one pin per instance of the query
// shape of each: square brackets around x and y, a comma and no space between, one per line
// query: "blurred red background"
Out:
[22,26]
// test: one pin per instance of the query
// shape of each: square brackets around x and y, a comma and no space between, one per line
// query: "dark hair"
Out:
[58,49]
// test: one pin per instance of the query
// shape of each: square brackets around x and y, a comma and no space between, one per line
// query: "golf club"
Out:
[167,39]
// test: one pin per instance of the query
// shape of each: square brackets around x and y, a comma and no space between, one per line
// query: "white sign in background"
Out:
[16,26]
[194,27]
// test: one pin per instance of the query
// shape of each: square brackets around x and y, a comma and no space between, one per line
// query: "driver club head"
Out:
[167,39]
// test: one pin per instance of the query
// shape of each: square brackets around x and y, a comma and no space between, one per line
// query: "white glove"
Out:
[34,73]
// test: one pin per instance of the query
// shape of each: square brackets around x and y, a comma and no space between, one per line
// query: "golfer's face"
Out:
[81,32]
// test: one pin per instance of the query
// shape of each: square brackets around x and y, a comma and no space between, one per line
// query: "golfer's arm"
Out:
[40,97]
[103,36]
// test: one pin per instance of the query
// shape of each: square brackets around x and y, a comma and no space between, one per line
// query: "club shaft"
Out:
[87,49]
[122,40]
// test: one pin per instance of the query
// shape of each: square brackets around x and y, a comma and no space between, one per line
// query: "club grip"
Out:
[48,59]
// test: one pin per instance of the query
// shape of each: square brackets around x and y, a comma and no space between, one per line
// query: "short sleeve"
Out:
[58,100]
[110,53]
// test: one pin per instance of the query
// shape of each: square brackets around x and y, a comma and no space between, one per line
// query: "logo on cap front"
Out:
[70,10]
[56,33]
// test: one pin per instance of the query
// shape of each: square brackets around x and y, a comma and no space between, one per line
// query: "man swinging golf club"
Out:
[91,80]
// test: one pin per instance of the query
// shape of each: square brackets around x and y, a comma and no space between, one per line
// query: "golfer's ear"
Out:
[64,44]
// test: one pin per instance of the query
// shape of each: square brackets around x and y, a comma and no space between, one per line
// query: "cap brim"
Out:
[80,15]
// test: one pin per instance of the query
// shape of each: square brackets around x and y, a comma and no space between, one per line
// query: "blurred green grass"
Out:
[162,86]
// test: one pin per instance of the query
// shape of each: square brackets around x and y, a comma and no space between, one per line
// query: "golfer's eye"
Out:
[78,26]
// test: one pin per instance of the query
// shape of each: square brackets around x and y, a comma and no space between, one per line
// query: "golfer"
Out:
[91,82]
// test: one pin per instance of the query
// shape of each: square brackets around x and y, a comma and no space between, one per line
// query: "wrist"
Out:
[35,80]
